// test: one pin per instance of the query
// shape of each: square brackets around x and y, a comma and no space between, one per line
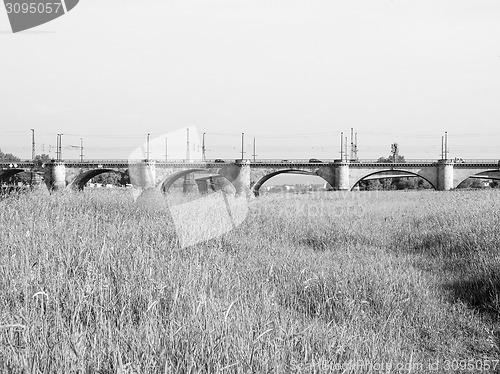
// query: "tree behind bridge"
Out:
[41,159]
[8,157]
[390,159]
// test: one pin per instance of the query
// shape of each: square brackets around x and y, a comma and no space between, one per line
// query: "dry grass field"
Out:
[361,282]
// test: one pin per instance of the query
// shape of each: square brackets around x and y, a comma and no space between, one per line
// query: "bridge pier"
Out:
[203,185]
[222,184]
[445,175]
[55,175]
[239,175]
[143,174]
[341,172]
[242,181]
[189,185]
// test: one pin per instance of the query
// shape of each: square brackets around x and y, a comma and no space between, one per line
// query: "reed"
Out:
[96,282]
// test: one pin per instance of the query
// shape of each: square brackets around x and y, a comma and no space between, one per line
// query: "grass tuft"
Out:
[97,282]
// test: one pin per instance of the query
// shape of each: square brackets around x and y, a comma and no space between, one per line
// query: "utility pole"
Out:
[352,144]
[147,149]
[203,155]
[59,147]
[254,155]
[187,146]
[446,145]
[346,154]
[356,146]
[166,150]
[341,146]
[81,149]
[33,144]
[242,144]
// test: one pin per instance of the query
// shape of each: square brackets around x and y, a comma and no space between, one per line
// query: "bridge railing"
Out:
[406,161]
[111,162]
[16,164]
[483,161]
[127,161]
[257,161]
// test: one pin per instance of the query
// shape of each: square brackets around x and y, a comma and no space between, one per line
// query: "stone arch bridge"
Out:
[247,177]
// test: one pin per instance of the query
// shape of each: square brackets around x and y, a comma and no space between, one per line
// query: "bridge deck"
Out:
[494,164]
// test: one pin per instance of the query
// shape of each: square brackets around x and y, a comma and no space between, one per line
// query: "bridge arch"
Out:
[463,176]
[256,187]
[221,182]
[81,180]
[170,180]
[35,176]
[6,174]
[394,171]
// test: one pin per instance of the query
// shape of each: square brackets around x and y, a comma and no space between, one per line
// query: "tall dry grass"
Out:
[95,282]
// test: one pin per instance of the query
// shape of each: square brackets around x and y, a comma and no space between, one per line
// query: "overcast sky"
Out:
[291,73]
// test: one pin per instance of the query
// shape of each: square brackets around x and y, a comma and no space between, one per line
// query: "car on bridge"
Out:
[219,160]
[315,160]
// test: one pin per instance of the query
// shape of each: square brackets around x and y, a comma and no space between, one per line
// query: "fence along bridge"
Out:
[248,176]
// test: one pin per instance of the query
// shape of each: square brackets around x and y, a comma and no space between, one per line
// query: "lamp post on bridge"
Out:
[33,145]
[254,154]
[446,145]
[166,150]
[81,149]
[203,155]
[242,145]
[188,154]
[341,146]
[147,150]
[442,147]
[59,147]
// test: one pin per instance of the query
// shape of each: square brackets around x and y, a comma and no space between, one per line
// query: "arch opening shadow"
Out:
[407,174]
[256,187]
[81,180]
[171,179]
[488,174]
[207,183]
[6,174]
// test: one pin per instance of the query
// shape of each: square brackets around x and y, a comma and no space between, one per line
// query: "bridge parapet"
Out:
[340,174]
[393,164]
[17,165]
[485,164]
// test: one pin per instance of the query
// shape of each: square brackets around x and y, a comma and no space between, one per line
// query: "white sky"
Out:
[296,72]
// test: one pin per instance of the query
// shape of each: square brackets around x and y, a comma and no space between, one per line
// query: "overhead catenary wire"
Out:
[322,144]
